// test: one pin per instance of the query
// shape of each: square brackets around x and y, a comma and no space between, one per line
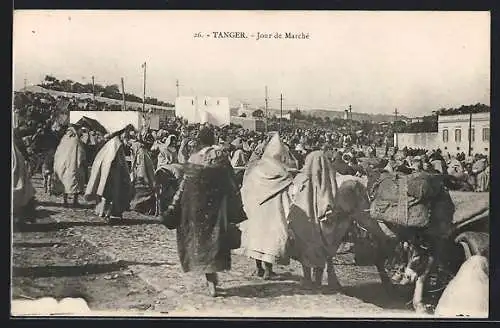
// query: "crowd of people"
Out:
[277,186]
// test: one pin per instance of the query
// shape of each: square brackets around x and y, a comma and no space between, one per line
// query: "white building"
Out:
[245,109]
[453,133]
[452,136]
[249,123]
[213,110]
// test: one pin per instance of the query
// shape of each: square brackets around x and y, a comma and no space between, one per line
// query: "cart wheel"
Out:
[473,243]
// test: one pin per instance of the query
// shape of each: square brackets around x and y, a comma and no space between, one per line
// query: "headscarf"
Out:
[278,151]
[268,176]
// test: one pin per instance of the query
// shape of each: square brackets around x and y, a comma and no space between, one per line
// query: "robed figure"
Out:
[143,176]
[23,193]
[70,165]
[109,181]
[266,199]
[207,204]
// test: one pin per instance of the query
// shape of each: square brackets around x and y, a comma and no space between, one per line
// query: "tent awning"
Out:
[91,124]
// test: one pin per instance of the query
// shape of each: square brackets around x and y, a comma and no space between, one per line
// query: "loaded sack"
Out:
[417,200]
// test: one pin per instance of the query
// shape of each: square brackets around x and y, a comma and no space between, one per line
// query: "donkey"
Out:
[351,205]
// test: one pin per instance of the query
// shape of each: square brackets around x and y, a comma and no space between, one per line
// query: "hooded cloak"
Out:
[315,188]
[266,201]
[70,163]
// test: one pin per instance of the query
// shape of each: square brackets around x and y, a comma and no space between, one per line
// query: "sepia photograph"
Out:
[236,164]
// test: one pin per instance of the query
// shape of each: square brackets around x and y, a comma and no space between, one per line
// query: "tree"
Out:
[111,89]
[258,113]
[67,85]
[78,88]
[243,115]
[50,78]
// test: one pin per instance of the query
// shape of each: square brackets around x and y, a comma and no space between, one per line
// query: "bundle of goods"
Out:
[417,200]
[469,206]
[372,162]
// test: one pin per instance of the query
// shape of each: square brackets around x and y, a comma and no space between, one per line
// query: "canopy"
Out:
[91,124]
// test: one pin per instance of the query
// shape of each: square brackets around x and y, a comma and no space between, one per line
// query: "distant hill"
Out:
[377,118]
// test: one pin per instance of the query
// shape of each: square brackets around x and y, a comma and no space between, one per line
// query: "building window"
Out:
[458,135]
[445,136]
[192,102]
[486,134]
[205,102]
[472,135]
[218,102]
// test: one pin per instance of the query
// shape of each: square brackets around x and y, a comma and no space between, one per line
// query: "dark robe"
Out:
[341,167]
[143,181]
[110,179]
[209,202]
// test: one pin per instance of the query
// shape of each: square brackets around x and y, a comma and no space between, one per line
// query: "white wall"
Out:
[427,140]
[115,120]
[214,110]
[451,123]
[186,107]
[249,123]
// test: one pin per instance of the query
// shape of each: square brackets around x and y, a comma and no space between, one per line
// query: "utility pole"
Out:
[144,90]
[177,86]
[350,121]
[25,83]
[470,134]
[123,95]
[93,89]
[395,127]
[266,108]
[281,111]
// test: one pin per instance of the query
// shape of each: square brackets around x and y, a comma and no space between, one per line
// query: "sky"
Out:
[375,61]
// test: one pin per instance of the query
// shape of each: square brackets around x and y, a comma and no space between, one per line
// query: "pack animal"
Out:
[351,205]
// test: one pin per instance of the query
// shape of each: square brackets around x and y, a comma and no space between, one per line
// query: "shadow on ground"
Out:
[66,271]
[375,294]
[37,245]
[266,290]
[60,204]
[44,213]
[78,270]
[54,226]
[151,264]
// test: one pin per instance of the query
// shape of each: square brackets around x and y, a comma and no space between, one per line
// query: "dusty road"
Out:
[134,266]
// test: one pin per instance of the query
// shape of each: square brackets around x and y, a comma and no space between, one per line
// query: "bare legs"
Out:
[312,279]
[267,272]
[212,281]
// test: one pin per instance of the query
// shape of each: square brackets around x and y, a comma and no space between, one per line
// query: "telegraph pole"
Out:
[123,95]
[177,86]
[93,89]
[266,109]
[281,111]
[144,90]
[25,83]
[470,134]
[350,121]
[395,128]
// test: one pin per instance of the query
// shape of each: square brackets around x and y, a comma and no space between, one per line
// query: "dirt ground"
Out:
[133,265]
